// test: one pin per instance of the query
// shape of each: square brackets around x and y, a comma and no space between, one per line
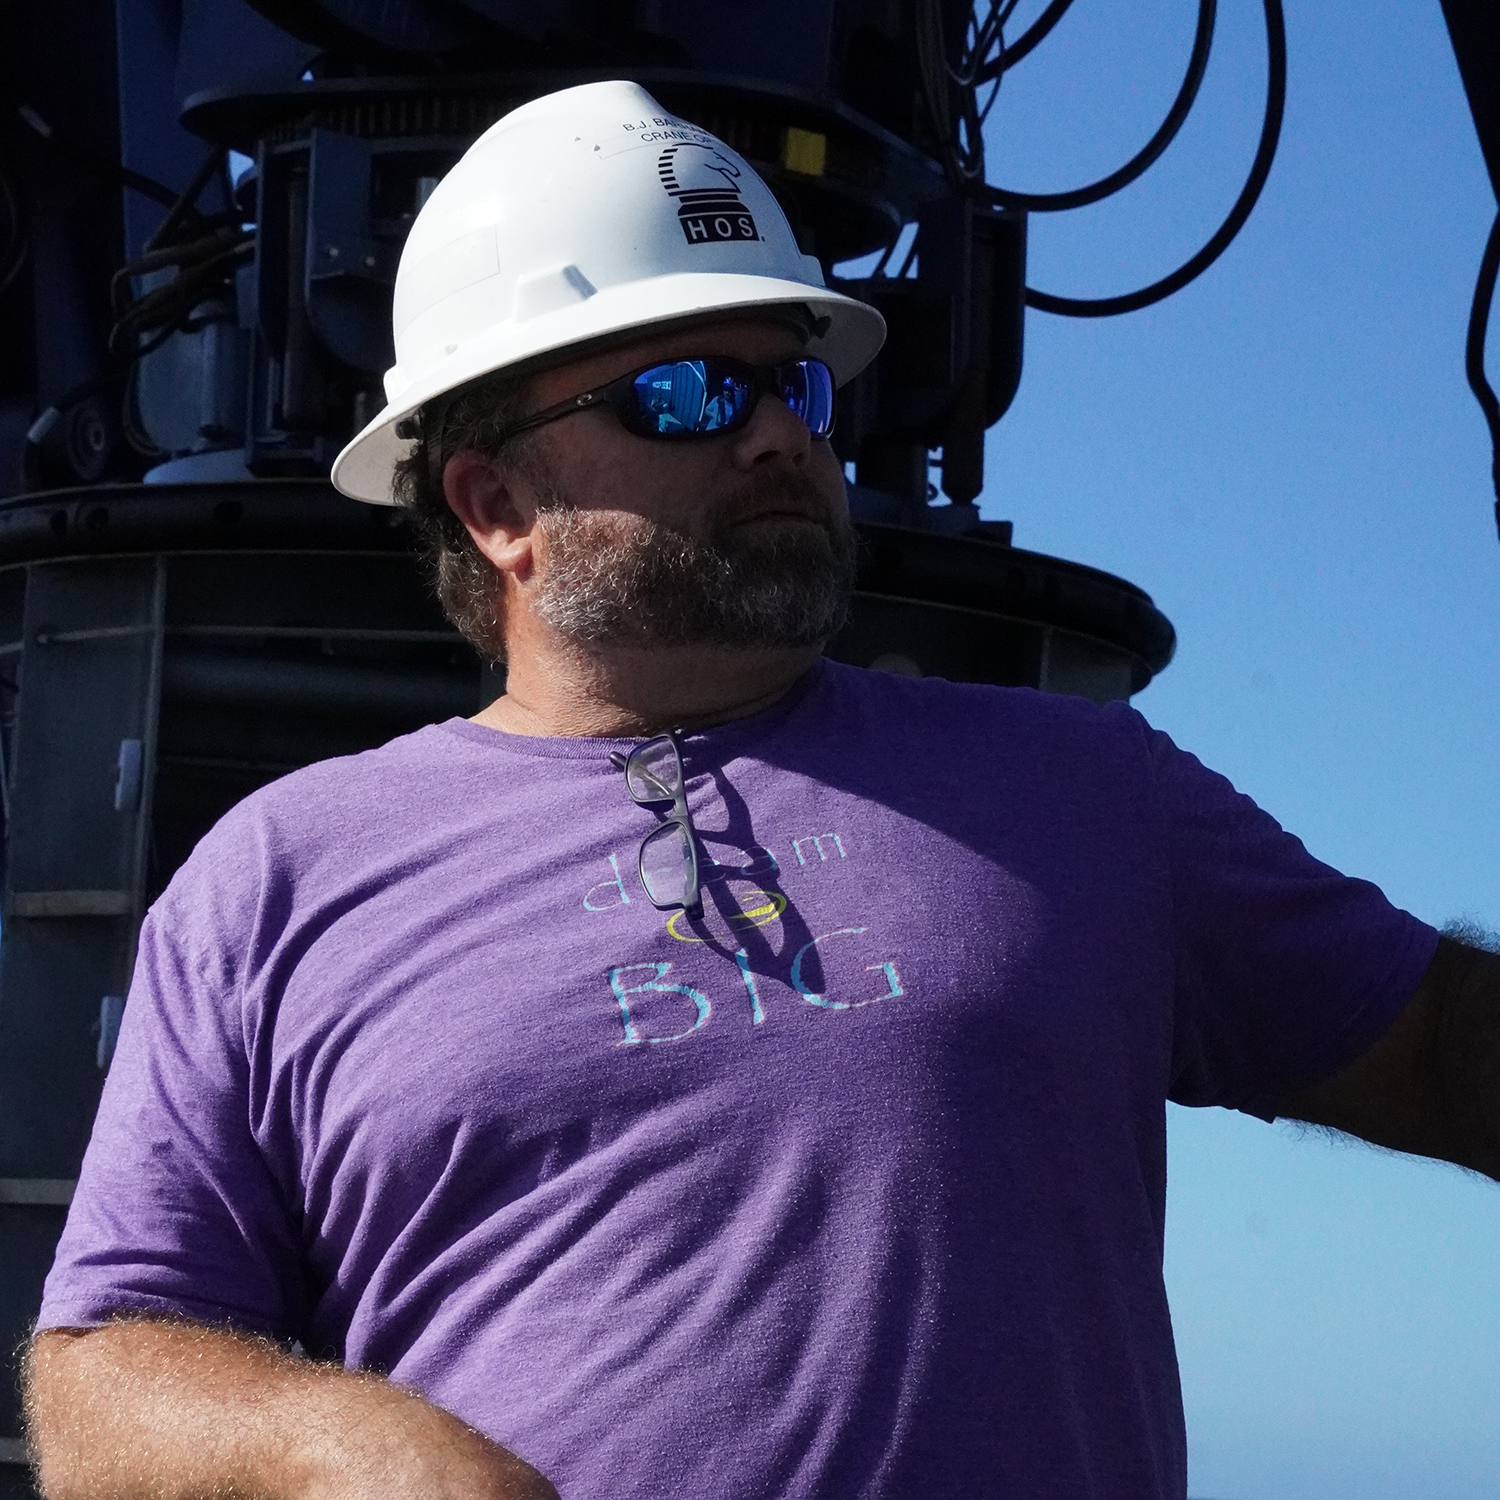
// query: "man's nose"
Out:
[773,432]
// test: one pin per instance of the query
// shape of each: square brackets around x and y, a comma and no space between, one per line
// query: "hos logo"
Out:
[705,184]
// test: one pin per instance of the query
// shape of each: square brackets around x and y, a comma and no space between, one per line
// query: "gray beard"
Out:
[639,583]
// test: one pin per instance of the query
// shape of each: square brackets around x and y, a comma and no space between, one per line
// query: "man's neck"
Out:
[630,692]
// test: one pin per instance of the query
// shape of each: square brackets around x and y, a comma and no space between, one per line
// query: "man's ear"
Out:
[499,518]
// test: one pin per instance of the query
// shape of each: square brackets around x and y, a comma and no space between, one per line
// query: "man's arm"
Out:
[1431,1084]
[178,1411]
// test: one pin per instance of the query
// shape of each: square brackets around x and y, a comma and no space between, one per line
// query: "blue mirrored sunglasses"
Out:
[687,398]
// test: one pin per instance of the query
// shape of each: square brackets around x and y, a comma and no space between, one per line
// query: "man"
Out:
[709,1071]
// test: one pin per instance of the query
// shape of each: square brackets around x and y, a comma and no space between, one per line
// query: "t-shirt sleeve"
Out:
[177,1210]
[1285,969]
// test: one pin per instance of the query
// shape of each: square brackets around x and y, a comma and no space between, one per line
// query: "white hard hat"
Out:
[581,215]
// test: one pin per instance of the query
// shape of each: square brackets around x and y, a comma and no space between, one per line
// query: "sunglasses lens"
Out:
[694,396]
[807,388]
[688,396]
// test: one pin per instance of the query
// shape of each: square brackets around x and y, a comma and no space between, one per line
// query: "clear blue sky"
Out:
[1287,457]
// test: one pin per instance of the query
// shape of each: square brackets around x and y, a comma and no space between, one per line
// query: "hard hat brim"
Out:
[848,340]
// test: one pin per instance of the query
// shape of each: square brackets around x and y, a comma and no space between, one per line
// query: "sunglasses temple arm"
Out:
[584,401]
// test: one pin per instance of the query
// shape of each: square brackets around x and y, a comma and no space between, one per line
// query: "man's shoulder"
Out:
[961,712]
[313,813]
[330,787]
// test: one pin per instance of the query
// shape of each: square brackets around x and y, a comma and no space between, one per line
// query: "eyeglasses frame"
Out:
[680,817]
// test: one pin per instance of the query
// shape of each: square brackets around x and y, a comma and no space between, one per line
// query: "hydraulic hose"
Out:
[1260,169]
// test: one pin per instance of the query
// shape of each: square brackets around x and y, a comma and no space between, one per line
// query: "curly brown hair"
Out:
[467,584]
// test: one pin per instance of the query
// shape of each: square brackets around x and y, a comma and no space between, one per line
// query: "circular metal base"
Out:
[966,608]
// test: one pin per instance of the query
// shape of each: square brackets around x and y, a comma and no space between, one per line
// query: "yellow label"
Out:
[804,151]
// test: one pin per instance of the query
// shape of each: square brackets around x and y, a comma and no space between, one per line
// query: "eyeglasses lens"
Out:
[654,773]
[667,862]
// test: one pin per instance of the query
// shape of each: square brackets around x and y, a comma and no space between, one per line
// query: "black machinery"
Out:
[202,204]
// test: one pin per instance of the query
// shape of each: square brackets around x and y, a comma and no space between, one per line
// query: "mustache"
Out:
[771,490]
[776,490]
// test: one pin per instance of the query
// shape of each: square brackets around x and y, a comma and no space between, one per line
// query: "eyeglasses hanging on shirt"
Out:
[668,857]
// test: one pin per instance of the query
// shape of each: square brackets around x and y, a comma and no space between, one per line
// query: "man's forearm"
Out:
[1466,1054]
[1431,1084]
[177,1411]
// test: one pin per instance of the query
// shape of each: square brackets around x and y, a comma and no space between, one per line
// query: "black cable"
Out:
[183,204]
[1479,322]
[1260,169]
[950,91]
[201,263]
[166,306]
[983,110]
[151,345]
[935,74]
[1038,32]
[1046,203]
[981,38]
[185,254]
[147,187]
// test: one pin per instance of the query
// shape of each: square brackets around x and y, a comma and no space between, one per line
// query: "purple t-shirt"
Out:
[854,1188]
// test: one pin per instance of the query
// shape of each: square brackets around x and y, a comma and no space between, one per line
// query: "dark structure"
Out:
[202,205]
